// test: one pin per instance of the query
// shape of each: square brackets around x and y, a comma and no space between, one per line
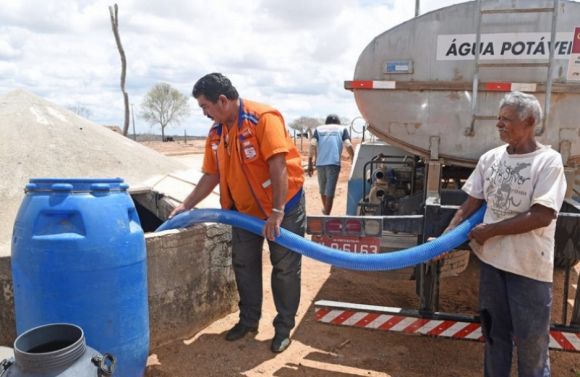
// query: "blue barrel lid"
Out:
[76,184]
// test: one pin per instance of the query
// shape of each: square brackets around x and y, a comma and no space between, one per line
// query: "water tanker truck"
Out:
[429,90]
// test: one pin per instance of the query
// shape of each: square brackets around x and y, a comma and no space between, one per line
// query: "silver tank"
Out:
[426,67]
[56,350]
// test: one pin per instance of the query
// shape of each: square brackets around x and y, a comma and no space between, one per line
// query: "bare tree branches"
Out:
[304,123]
[115,25]
[80,110]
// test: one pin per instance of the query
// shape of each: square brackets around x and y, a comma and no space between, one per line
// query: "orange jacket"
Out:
[239,156]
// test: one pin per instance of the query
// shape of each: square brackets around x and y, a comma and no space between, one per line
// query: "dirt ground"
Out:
[320,350]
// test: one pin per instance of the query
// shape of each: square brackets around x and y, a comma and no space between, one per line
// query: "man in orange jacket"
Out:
[250,154]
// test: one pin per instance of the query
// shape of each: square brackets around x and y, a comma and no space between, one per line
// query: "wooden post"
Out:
[133,116]
[115,25]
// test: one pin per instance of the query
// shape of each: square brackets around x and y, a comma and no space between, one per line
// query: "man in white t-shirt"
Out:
[523,184]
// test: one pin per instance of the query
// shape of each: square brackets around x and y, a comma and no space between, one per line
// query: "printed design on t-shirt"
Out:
[505,186]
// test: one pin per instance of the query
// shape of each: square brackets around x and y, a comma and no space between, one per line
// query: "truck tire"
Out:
[560,262]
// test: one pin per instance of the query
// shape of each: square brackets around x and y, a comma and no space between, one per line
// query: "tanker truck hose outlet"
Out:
[364,262]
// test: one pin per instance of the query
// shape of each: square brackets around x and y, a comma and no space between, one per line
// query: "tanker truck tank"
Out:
[416,80]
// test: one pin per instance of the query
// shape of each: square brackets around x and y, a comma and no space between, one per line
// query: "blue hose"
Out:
[364,262]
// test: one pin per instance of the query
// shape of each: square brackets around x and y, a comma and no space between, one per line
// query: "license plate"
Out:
[360,245]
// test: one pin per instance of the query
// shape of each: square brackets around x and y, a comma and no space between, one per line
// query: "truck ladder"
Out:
[474,116]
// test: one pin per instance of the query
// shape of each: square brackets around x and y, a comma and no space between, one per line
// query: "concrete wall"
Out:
[190,278]
[7,321]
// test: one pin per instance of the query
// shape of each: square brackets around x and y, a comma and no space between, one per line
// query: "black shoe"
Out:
[280,343]
[239,331]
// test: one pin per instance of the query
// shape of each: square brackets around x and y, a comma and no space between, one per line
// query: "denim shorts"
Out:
[327,179]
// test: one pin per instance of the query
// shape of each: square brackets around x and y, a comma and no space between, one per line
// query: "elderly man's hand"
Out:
[438,257]
[481,233]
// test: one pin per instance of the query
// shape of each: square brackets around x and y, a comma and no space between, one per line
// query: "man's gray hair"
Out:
[526,105]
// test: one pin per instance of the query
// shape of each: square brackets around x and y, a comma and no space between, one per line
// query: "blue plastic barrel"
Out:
[78,256]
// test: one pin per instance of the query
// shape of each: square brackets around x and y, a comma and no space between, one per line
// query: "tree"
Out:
[164,105]
[80,110]
[115,26]
[304,124]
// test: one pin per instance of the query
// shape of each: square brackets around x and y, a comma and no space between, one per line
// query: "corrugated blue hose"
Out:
[364,262]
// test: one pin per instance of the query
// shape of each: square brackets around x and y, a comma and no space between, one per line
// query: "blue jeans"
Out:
[511,306]
[327,179]
[286,272]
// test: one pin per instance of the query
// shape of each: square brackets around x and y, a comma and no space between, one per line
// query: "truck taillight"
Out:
[314,226]
[333,226]
[353,227]
[367,226]
[374,228]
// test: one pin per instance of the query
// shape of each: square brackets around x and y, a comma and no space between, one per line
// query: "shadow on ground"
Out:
[320,350]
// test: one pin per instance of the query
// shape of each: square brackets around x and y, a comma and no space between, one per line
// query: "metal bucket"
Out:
[56,350]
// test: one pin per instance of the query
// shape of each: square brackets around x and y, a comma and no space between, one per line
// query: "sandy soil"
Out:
[323,350]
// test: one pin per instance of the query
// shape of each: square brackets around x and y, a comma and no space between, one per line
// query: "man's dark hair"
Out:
[332,119]
[213,85]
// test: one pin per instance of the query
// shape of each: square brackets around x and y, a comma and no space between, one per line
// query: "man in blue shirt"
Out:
[326,144]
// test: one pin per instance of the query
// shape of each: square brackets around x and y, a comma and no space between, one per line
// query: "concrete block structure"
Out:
[191,280]
[7,319]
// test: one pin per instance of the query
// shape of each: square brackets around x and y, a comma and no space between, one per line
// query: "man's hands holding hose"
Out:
[271,228]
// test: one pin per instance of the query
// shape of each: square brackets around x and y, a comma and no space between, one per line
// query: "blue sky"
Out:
[294,55]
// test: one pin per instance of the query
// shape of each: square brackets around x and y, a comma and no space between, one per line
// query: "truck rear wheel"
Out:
[560,262]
